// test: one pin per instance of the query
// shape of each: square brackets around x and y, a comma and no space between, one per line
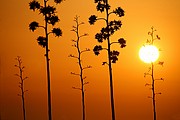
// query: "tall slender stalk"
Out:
[79,58]
[21,84]
[50,18]
[153,80]
[153,91]
[151,42]
[47,65]
[110,64]
[105,34]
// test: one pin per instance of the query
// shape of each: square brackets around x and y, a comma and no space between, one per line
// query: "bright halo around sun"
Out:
[148,53]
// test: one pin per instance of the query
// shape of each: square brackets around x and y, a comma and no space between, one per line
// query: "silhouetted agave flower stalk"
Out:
[104,35]
[21,83]
[151,72]
[50,18]
[79,59]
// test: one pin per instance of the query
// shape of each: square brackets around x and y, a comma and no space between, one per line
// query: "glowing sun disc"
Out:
[148,53]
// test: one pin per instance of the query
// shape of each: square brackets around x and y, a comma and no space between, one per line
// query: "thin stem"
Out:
[153,80]
[110,66]
[23,99]
[113,43]
[81,68]
[152,35]
[101,19]
[111,12]
[48,68]
[21,85]
[153,92]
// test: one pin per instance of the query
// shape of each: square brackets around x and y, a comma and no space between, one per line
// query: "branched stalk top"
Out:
[107,31]
[50,14]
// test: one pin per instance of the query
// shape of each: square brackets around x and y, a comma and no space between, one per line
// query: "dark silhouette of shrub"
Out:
[50,18]
[104,35]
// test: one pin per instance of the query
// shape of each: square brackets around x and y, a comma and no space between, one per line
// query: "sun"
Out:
[148,53]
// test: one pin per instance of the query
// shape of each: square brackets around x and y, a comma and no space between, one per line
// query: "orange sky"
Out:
[131,100]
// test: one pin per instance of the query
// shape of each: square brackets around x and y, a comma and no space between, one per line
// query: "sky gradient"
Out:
[131,95]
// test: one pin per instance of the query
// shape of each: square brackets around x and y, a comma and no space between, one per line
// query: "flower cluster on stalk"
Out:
[51,18]
[109,30]
[151,41]
[101,6]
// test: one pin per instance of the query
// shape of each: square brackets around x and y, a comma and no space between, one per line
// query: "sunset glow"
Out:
[130,94]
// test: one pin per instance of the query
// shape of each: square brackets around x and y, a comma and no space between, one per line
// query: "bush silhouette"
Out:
[50,18]
[105,35]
